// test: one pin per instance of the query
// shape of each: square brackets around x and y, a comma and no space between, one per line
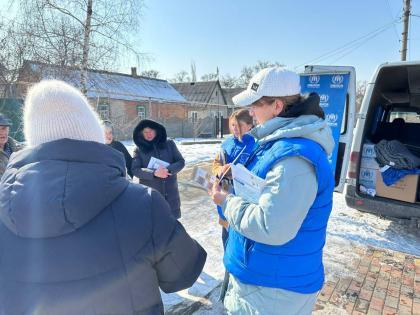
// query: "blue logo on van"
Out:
[332,119]
[324,98]
[314,79]
[367,174]
[337,81]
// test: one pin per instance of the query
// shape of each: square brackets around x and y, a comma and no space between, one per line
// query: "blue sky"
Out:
[232,34]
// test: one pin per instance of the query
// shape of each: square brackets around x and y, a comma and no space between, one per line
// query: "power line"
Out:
[390,12]
[350,44]
[360,44]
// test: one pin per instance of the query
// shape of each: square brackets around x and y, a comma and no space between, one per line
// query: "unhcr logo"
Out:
[331,119]
[337,81]
[324,100]
[314,81]
[366,174]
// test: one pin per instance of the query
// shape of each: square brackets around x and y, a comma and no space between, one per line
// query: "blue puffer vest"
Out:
[231,148]
[296,265]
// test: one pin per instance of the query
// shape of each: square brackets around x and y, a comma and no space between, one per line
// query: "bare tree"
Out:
[360,93]
[249,71]
[81,33]
[210,77]
[151,74]
[193,72]
[13,51]
[229,81]
[180,77]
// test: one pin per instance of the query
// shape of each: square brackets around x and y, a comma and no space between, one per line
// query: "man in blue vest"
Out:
[274,250]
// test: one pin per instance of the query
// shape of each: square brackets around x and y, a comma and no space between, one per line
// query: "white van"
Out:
[390,111]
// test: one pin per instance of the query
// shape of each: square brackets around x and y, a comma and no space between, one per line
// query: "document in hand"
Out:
[155,163]
[247,185]
[202,178]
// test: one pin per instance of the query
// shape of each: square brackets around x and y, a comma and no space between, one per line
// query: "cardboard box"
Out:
[404,190]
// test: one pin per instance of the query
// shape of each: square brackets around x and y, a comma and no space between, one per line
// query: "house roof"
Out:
[199,92]
[231,92]
[104,84]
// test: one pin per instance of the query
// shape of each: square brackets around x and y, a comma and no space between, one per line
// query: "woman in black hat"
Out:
[160,173]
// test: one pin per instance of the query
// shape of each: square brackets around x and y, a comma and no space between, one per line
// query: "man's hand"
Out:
[162,172]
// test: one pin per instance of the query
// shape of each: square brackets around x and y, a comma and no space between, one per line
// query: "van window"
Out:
[409,117]
[345,116]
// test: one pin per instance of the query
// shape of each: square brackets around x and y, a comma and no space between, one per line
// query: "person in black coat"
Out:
[109,140]
[77,237]
[151,140]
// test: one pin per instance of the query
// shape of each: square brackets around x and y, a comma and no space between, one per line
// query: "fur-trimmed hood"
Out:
[158,141]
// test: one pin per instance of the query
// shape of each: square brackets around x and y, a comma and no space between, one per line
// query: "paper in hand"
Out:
[156,163]
[202,178]
[247,185]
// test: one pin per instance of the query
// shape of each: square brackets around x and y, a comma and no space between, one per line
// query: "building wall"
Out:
[217,96]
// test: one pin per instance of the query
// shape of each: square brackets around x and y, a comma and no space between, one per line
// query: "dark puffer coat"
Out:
[77,238]
[162,148]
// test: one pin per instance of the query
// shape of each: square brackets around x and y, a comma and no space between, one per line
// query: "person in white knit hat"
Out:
[76,237]
[274,249]
[55,110]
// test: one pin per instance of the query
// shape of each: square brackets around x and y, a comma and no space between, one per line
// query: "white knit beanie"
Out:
[56,110]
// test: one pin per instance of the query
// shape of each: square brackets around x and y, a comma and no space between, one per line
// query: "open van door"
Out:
[336,86]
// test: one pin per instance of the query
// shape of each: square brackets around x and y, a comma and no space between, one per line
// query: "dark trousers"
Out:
[225,235]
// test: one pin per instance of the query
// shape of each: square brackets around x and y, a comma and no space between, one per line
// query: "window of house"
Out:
[141,111]
[103,110]
[194,117]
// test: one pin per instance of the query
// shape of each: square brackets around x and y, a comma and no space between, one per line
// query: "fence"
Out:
[187,120]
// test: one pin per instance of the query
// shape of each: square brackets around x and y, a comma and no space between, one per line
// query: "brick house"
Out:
[208,108]
[122,98]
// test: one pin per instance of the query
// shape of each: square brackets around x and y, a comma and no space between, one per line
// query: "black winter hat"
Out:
[4,121]
[142,143]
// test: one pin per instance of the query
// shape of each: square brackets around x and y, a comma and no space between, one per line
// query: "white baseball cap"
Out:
[269,82]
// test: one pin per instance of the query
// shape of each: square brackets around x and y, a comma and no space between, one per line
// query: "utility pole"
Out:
[406,18]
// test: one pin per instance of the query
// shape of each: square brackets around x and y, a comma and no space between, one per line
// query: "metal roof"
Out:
[199,92]
[103,84]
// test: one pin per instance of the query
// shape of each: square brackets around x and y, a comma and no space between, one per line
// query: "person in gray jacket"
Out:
[76,237]
[8,145]
[274,249]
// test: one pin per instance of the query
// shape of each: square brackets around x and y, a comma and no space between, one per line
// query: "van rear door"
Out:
[336,86]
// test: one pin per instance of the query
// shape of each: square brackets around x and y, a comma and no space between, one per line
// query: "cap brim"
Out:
[245,98]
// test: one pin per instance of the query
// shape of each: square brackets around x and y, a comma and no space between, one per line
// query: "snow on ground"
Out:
[369,229]
[192,153]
